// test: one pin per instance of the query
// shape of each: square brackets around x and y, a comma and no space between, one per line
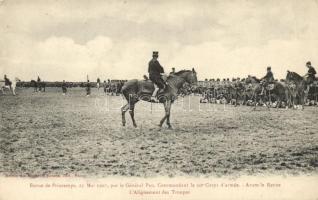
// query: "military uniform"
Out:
[311,74]
[269,77]
[155,70]
[7,81]
[64,87]
[88,88]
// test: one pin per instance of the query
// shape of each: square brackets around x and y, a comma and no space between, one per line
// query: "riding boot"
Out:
[154,94]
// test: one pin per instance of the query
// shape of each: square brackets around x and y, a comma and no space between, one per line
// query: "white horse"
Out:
[10,87]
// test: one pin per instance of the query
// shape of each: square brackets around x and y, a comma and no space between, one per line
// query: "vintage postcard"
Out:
[145,99]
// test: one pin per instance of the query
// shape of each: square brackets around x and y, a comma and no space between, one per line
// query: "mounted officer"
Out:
[64,87]
[155,71]
[173,71]
[7,81]
[310,76]
[267,79]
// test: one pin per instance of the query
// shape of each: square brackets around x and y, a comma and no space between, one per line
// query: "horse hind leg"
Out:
[255,102]
[268,106]
[123,111]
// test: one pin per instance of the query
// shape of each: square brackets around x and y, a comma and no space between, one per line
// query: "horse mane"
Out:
[181,72]
[255,78]
[294,75]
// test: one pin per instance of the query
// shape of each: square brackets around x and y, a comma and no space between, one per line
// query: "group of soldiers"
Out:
[156,74]
[158,77]
[309,76]
[213,90]
[112,87]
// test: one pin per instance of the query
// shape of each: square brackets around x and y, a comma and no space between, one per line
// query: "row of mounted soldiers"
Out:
[231,91]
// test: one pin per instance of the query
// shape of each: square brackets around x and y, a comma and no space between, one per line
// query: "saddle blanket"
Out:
[270,86]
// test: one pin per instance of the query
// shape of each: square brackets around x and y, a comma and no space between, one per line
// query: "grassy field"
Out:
[47,133]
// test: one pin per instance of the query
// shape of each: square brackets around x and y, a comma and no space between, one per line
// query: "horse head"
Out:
[189,76]
[192,77]
[293,76]
[251,79]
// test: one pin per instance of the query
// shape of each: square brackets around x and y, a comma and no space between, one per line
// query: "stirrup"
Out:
[154,99]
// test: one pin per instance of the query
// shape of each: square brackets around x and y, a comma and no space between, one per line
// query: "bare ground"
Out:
[47,134]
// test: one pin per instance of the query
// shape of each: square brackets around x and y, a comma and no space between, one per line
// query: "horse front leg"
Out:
[269,101]
[168,109]
[293,102]
[132,113]
[279,102]
[13,91]
[303,101]
[167,112]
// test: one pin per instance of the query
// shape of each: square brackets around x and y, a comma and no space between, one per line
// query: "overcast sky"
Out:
[115,39]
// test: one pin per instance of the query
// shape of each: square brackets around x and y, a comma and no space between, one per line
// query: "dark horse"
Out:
[135,90]
[38,86]
[255,88]
[34,84]
[278,91]
[296,85]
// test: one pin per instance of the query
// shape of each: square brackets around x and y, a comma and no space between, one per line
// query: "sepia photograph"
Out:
[145,99]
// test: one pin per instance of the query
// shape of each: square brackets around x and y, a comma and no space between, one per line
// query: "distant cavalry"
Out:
[8,84]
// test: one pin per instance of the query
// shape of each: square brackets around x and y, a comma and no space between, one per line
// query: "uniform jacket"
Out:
[311,71]
[269,76]
[154,68]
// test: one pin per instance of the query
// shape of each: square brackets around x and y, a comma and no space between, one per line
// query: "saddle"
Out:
[147,87]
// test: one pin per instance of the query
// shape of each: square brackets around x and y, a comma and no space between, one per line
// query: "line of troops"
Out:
[220,88]
[216,89]
[112,87]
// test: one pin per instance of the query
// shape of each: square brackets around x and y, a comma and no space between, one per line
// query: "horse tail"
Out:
[124,92]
